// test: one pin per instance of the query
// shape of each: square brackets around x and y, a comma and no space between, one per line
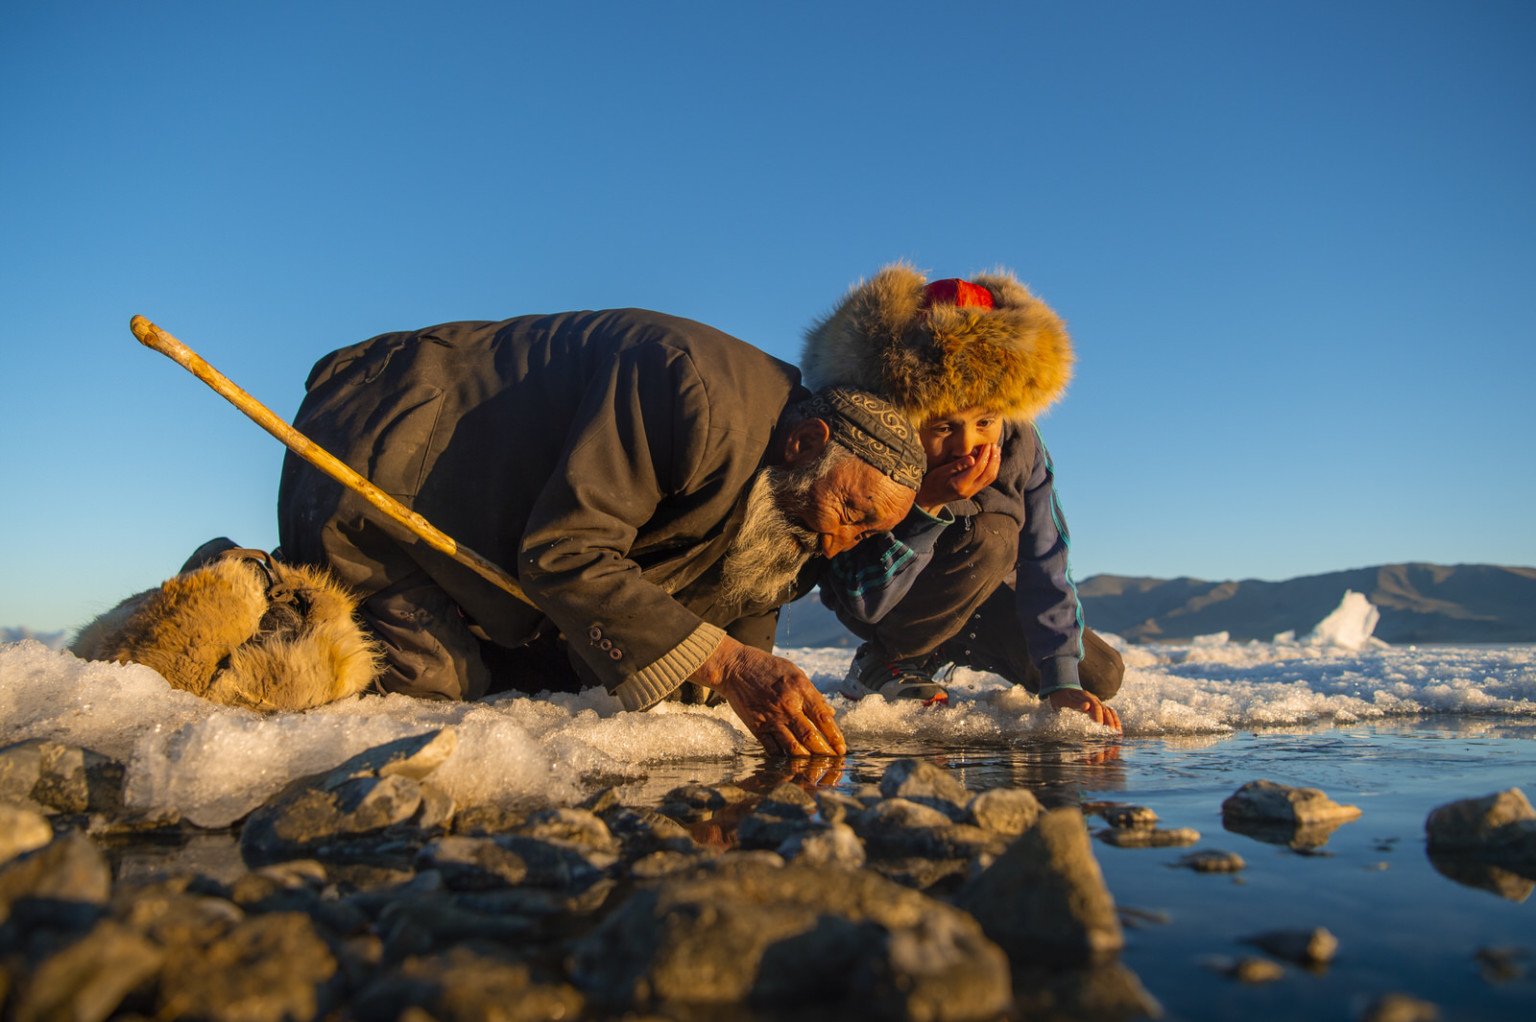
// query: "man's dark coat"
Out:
[602,457]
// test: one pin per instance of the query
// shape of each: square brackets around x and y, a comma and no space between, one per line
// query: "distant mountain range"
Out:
[53,640]
[1418,603]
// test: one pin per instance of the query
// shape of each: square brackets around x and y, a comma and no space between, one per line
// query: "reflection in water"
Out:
[1502,879]
[1305,838]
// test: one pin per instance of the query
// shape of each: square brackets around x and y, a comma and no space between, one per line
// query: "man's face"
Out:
[850,502]
[952,437]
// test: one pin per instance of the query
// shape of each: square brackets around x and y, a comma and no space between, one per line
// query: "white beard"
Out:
[767,554]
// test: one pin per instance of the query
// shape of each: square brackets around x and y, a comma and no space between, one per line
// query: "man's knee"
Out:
[1102,669]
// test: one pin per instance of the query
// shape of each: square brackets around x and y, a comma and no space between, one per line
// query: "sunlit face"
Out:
[950,437]
[850,503]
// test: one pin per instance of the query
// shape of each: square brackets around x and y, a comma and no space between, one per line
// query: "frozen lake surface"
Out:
[1395,731]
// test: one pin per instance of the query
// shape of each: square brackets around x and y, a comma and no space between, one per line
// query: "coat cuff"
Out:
[1057,673]
[653,683]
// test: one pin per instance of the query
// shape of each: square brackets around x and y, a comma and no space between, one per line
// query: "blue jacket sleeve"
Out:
[870,579]
[1049,609]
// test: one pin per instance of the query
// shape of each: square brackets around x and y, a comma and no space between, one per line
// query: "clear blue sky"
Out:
[1295,242]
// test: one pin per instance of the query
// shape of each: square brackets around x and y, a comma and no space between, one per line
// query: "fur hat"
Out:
[242,630]
[933,350]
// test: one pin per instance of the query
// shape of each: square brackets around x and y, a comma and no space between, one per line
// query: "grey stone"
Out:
[87,980]
[1004,810]
[1268,802]
[642,831]
[60,777]
[742,932]
[176,920]
[1249,969]
[415,758]
[663,863]
[68,877]
[1044,898]
[423,925]
[555,863]
[836,807]
[21,830]
[1305,947]
[472,863]
[269,968]
[1126,817]
[1211,860]
[834,846]
[924,782]
[569,826]
[464,985]
[788,800]
[1149,837]
[306,820]
[1501,826]
[1400,1008]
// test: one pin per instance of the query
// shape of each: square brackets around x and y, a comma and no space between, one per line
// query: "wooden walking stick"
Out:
[153,337]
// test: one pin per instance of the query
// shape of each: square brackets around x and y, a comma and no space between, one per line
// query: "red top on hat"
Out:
[954,291]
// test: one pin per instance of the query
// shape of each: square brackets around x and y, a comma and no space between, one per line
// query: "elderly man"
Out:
[658,487]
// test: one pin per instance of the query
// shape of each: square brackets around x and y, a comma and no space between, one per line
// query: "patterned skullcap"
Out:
[872,429]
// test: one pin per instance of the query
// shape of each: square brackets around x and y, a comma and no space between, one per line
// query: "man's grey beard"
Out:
[767,554]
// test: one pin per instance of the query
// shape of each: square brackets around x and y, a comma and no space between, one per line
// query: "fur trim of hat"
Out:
[267,636]
[1014,358]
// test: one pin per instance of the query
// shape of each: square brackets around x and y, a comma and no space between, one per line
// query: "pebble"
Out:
[1155,837]
[1213,861]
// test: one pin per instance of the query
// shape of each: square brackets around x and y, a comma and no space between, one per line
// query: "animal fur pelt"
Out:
[1014,359]
[242,629]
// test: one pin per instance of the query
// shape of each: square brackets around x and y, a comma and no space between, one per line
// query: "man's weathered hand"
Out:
[960,479]
[1085,702]
[774,699]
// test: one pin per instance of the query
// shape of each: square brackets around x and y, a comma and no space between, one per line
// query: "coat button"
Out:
[594,633]
[617,654]
[606,644]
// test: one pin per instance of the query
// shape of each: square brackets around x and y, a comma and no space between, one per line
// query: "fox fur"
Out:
[214,632]
[1014,359]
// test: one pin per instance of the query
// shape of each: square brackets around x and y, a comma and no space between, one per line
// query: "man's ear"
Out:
[806,441]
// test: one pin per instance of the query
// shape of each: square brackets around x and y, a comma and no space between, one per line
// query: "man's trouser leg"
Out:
[408,600]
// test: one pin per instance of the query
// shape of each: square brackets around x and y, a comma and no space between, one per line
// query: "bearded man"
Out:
[658,487]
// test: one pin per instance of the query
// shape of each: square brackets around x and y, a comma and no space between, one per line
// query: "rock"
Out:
[176,920]
[555,863]
[788,800]
[1004,810]
[1109,991]
[663,863]
[420,926]
[1305,947]
[1128,817]
[308,820]
[472,863]
[835,846]
[464,985]
[62,884]
[1149,837]
[926,783]
[1268,802]
[1400,1008]
[1500,827]
[699,802]
[1250,969]
[269,968]
[641,832]
[836,807]
[838,942]
[1212,861]
[576,827]
[39,773]
[1044,898]
[437,807]
[21,830]
[88,979]
[487,820]
[1502,963]
[415,757]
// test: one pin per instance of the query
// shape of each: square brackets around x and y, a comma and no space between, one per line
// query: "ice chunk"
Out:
[1349,626]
